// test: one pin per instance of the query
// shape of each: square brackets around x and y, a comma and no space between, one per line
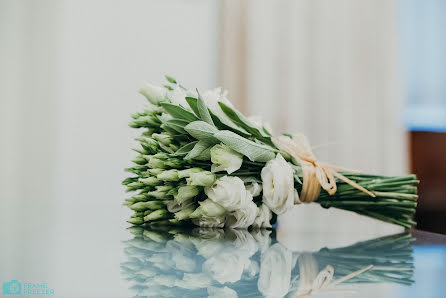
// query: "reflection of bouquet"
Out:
[231,263]
[202,161]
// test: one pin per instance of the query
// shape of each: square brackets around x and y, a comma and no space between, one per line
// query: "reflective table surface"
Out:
[87,253]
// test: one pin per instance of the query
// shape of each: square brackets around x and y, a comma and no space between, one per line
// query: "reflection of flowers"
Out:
[275,272]
[170,262]
[226,267]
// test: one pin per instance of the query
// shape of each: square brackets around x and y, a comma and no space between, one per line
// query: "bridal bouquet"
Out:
[205,262]
[203,162]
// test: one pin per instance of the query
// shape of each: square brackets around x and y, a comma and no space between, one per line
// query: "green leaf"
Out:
[203,110]
[179,112]
[225,124]
[170,80]
[202,131]
[192,101]
[239,119]
[250,149]
[198,149]
[186,148]
[206,154]
[177,124]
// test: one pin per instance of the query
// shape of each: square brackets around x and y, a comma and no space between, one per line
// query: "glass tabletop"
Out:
[167,261]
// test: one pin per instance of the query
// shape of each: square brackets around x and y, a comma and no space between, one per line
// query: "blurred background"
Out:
[364,80]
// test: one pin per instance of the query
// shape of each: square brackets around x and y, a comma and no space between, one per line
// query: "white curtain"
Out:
[328,69]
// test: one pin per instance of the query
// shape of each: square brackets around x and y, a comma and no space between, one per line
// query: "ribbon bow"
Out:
[312,282]
[315,174]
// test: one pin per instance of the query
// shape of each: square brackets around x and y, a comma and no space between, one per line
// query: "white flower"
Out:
[214,292]
[208,208]
[278,185]
[225,159]
[254,188]
[243,217]
[213,96]
[275,271]
[263,218]
[154,94]
[210,222]
[226,266]
[229,192]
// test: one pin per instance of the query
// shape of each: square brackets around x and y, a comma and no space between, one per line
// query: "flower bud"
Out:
[135,220]
[161,155]
[139,198]
[149,121]
[173,163]
[162,138]
[134,186]
[186,192]
[156,163]
[149,144]
[204,178]
[142,206]
[152,181]
[170,175]
[160,192]
[208,209]
[154,94]
[155,171]
[225,159]
[174,147]
[129,180]
[185,213]
[157,214]
[186,173]
[139,160]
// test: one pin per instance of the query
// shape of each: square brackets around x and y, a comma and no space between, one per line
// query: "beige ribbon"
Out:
[315,174]
[312,282]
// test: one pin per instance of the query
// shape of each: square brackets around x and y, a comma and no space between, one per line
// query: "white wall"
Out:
[69,78]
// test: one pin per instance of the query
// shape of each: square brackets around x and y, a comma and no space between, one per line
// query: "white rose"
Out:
[254,188]
[229,192]
[263,218]
[210,222]
[275,271]
[225,159]
[278,185]
[244,217]
[155,94]
[214,292]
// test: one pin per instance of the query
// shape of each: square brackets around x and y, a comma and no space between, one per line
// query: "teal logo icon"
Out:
[12,287]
